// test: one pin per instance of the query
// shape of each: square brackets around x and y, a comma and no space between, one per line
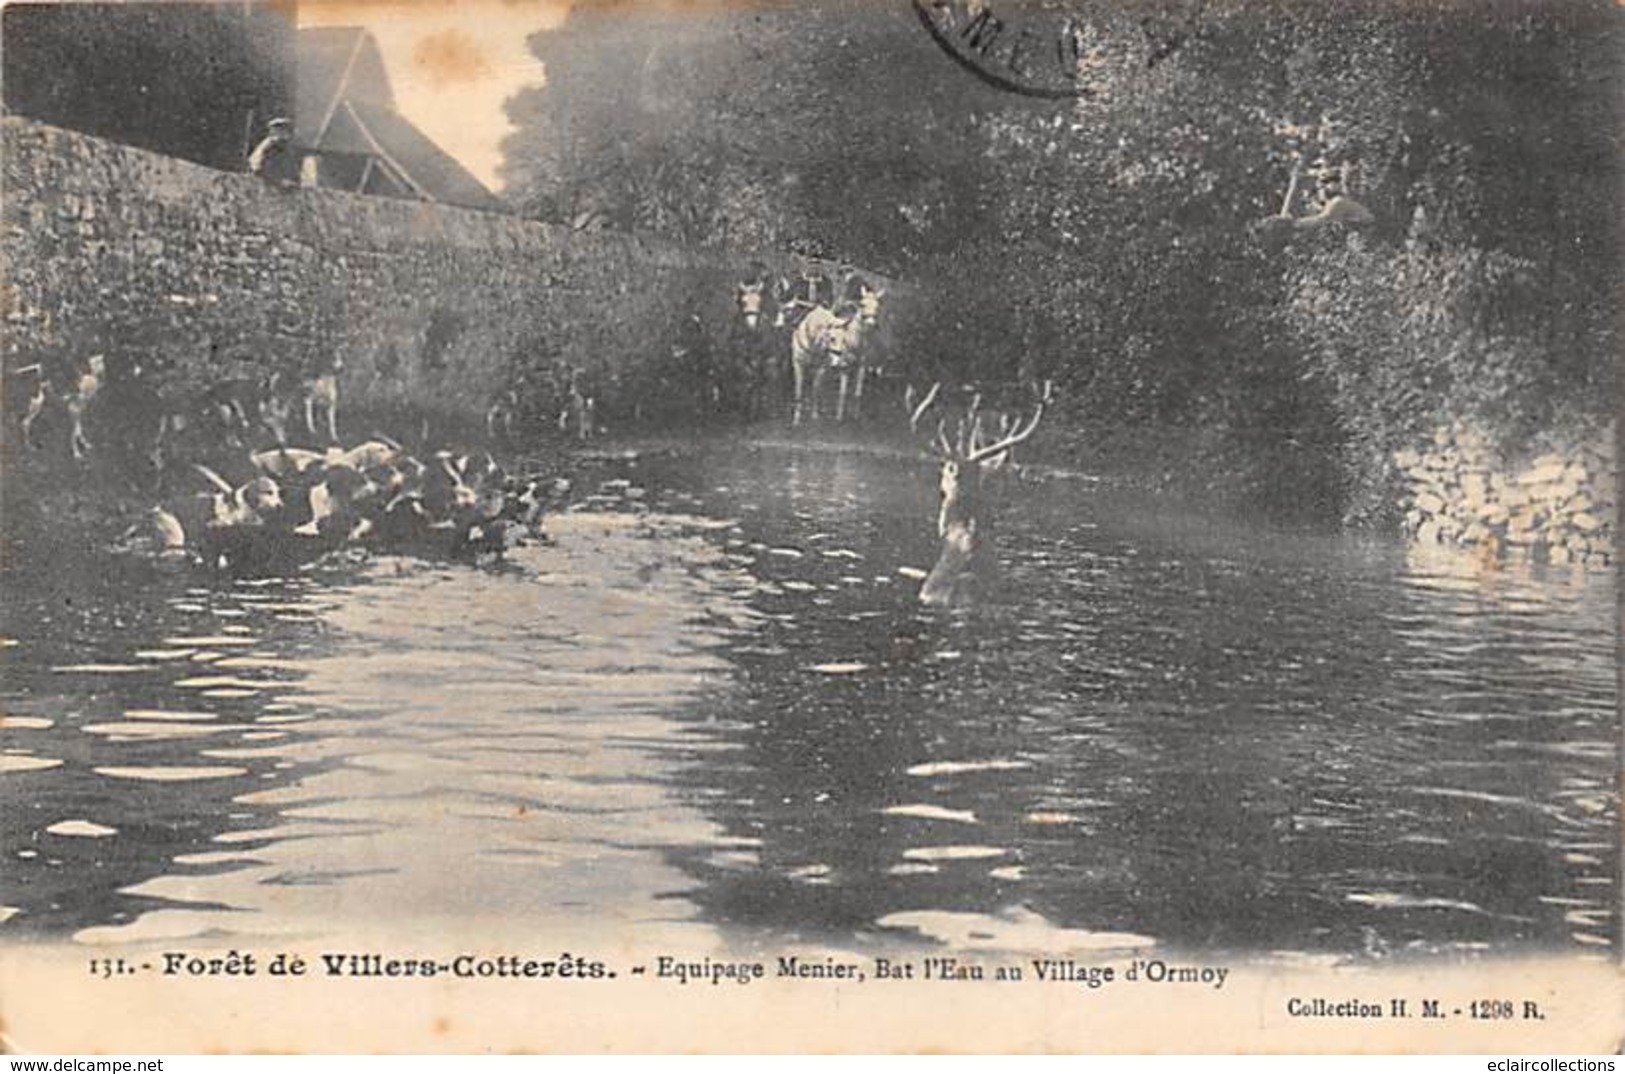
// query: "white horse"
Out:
[838,340]
[859,350]
[824,340]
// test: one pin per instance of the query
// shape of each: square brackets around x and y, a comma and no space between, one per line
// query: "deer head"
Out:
[966,562]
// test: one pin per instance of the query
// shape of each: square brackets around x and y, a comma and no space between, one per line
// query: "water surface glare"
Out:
[715,705]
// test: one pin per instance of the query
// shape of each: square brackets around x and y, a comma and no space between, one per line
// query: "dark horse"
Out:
[753,348]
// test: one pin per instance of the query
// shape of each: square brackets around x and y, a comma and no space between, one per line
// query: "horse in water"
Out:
[862,347]
[751,350]
[825,339]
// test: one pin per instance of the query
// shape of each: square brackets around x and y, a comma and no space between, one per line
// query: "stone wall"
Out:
[109,248]
[1557,504]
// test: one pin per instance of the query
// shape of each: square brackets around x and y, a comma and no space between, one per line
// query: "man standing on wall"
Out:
[275,159]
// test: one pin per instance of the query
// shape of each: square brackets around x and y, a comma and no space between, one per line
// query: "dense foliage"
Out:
[192,80]
[1114,242]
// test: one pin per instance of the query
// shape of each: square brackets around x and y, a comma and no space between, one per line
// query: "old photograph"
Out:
[838,525]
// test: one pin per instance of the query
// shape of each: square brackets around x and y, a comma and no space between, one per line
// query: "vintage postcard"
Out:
[833,526]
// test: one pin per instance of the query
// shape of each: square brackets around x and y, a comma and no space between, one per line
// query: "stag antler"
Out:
[916,412]
[970,426]
[999,447]
[1291,190]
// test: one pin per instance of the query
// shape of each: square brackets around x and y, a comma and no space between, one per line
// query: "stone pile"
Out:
[1558,506]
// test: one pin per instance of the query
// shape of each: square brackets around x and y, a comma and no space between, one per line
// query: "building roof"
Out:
[346,105]
[426,165]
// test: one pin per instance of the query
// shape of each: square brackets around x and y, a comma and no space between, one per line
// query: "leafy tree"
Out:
[1112,242]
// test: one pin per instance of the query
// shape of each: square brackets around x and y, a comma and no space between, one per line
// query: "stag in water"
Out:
[967,564]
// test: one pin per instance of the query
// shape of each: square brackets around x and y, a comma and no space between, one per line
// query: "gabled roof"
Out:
[425,164]
[335,63]
[346,106]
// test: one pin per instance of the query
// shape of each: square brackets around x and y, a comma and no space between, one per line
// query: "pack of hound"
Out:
[279,507]
[233,493]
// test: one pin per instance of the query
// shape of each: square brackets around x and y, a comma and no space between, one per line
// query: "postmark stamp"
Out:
[1057,50]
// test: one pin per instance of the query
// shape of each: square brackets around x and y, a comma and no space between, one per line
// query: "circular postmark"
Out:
[1058,48]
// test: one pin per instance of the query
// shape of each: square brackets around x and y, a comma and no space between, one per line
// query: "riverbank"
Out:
[50,500]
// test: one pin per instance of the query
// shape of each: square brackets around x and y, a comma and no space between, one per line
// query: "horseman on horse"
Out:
[831,318]
[798,297]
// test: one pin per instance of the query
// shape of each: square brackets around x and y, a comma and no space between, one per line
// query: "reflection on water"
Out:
[715,707]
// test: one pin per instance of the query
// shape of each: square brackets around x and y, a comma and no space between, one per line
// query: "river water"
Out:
[715,709]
